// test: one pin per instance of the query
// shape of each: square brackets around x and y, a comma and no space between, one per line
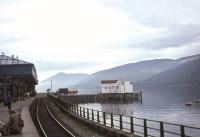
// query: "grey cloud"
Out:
[179,35]
[159,13]
[45,66]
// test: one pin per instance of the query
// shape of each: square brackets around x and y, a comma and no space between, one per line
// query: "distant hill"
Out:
[61,80]
[134,71]
[141,71]
[188,59]
[186,73]
[166,71]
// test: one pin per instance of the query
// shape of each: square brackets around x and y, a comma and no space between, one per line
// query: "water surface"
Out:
[163,104]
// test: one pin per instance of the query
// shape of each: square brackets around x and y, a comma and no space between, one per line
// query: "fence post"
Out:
[98,116]
[92,115]
[132,126]
[182,131]
[111,118]
[145,128]
[81,111]
[104,118]
[77,109]
[72,108]
[88,117]
[161,129]
[120,120]
[84,112]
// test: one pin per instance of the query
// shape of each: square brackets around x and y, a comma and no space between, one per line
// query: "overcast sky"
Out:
[86,36]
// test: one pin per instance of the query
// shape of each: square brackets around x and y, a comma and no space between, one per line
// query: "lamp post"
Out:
[5,94]
[51,86]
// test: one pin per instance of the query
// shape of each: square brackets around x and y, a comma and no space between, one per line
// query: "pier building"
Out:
[116,86]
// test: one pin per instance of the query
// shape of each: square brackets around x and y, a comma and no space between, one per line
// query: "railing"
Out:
[132,125]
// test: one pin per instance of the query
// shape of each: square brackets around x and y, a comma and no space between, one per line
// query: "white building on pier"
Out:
[116,86]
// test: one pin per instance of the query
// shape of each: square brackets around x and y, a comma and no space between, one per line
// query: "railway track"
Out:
[48,124]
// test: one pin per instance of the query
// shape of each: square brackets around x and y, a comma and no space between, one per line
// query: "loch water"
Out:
[166,103]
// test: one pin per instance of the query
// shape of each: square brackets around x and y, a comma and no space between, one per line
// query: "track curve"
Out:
[48,124]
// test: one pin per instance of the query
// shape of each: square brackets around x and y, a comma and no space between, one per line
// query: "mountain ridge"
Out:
[139,72]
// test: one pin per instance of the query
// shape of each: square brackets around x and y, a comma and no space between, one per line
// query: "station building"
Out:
[17,78]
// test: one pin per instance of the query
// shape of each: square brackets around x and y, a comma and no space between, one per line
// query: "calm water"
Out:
[163,104]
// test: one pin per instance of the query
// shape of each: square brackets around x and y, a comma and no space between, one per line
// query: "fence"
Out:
[131,124]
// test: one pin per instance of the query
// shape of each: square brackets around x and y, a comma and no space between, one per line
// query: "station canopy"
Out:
[16,68]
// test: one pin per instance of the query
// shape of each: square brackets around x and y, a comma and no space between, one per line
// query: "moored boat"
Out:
[189,103]
[196,101]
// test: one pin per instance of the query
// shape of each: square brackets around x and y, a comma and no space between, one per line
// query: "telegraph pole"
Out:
[51,86]
[5,94]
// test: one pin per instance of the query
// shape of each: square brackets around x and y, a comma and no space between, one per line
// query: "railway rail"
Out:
[48,124]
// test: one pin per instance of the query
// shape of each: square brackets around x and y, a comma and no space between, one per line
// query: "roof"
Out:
[108,81]
[13,67]
[6,60]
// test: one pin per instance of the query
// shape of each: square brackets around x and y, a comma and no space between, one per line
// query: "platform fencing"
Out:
[130,124]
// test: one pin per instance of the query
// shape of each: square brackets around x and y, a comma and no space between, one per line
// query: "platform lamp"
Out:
[51,86]
[48,90]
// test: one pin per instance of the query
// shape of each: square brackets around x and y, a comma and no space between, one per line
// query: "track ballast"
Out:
[49,125]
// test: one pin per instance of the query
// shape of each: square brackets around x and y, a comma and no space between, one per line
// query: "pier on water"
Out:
[105,98]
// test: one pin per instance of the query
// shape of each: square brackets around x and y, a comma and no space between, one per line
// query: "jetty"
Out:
[104,98]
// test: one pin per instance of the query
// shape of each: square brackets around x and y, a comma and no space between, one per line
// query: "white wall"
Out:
[110,88]
[128,87]
[122,88]
[125,87]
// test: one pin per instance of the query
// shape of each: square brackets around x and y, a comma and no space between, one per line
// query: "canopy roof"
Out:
[6,60]
[16,68]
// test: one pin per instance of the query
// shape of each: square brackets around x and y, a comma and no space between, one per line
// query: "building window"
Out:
[131,82]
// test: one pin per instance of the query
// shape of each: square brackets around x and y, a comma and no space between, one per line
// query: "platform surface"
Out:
[21,107]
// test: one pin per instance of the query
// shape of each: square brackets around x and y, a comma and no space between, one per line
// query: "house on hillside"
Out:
[116,86]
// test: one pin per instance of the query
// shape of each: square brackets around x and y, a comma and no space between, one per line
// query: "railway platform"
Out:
[20,107]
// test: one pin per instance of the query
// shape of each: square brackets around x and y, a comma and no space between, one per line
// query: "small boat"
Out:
[196,101]
[189,103]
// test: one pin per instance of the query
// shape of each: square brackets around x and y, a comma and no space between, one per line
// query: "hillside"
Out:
[162,69]
[166,71]
[61,80]
[187,73]
[133,71]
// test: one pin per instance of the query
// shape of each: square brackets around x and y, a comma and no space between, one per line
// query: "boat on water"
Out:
[196,101]
[189,103]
